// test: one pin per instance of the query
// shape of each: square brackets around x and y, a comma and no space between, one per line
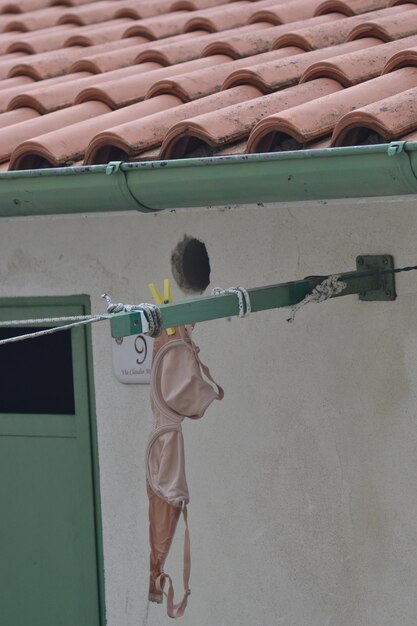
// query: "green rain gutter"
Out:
[351,172]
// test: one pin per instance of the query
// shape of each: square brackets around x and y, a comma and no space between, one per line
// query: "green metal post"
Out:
[207,308]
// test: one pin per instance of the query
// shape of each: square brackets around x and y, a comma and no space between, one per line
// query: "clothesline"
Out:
[128,319]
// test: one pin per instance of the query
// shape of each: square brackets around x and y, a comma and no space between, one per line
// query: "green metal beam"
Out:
[206,308]
[357,171]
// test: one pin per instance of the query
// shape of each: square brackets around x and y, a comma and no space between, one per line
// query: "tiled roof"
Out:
[91,82]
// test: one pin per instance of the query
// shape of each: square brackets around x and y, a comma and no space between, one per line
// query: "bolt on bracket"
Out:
[378,263]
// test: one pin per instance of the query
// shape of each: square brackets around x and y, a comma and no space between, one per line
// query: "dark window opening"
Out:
[37,375]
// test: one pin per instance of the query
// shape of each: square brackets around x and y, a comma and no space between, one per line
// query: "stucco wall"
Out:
[303,493]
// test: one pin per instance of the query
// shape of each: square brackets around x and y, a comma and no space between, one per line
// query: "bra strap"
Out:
[177,610]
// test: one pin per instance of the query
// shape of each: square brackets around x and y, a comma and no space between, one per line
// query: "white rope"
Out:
[243,297]
[330,287]
[47,331]
[151,321]
[42,320]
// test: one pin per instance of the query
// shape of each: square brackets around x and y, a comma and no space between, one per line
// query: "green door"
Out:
[50,563]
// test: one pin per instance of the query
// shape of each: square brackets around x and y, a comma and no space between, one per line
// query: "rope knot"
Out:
[151,312]
[243,297]
[330,287]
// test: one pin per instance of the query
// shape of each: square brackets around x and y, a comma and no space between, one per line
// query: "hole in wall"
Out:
[190,265]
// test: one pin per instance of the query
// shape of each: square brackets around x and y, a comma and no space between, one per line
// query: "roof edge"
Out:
[149,186]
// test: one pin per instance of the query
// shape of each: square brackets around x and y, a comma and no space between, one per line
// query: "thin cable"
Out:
[49,320]
[359,274]
[51,331]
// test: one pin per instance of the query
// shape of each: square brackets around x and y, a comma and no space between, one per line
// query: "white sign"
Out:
[132,359]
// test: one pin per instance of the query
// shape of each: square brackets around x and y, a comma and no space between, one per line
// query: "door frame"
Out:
[84,301]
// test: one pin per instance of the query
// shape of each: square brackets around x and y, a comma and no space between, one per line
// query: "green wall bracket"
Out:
[378,263]
[370,282]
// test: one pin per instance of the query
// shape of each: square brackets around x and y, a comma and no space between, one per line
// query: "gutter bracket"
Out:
[375,263]
[395,147]
[112,167]
[115,168]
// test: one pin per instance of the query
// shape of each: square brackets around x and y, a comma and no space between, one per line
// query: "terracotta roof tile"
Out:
[23,6]
[177,50]
[203,82]
[403,58]
[288,71]
[31,95]
[290,11]
[142,79]
[255,38]
[14,117]
[380,122]
[8,62]
[131,139]
[356,67]
[351,7]
[195,5]
[39,41]
[56,62]
[331,34]
[297,127]
[89,14]
[13,135]
[143,9]
[69,3]
[133,88]
[6,39]
[66,145]
[33,20]
[105,60]
[97,33]
[389,27]
[234,123]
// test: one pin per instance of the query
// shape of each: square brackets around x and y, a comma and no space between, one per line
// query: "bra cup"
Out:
[166,466]
[178,383]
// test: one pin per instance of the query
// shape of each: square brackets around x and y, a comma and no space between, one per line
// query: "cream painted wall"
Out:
[303,480]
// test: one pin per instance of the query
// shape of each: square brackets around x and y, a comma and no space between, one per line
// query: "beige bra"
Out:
[181,386]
